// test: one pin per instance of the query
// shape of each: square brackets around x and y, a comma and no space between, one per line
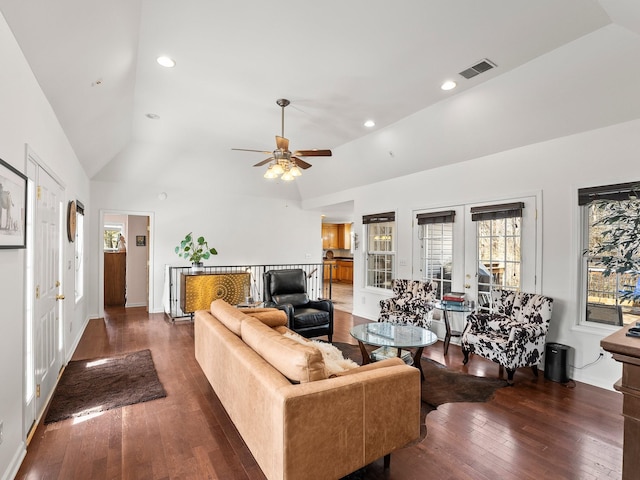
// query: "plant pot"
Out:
[197,267]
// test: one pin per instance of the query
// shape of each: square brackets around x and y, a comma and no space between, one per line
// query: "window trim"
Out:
[587,195]
[440,218]
[367,220]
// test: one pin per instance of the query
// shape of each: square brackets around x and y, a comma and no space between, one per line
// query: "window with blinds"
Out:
[381,254]
[499,238]
[436,248]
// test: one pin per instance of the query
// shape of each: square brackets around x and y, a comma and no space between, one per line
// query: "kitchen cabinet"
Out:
[330,270]
[329,236]
[336,235]
[344,236]
[344,271]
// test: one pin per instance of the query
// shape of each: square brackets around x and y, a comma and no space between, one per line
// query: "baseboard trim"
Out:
[16,461]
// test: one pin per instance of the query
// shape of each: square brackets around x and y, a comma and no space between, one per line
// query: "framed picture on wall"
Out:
[13,207]
[141,240]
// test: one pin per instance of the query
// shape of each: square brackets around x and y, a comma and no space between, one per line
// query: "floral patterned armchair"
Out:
[513,335]
[411,303]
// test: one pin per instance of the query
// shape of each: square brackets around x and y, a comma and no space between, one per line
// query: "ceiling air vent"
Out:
[480,67]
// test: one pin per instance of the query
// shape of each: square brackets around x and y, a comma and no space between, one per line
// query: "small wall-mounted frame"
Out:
[13,207]
[141,241]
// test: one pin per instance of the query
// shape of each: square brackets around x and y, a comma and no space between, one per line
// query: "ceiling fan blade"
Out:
[313,153]
[301,163]
[264,162]
[282,143]
[249,150]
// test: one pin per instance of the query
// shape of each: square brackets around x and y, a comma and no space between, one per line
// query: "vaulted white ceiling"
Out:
[340,63]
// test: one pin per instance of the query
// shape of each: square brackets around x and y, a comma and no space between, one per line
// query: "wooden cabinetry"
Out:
[115,279]
[344,236]
[329,236]
[330,267]
[336,235]
[627,351]
[198,290]
[344,271]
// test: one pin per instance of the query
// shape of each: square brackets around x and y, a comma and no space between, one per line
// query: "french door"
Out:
[474,248]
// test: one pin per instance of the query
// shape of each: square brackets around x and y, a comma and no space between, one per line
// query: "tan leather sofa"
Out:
[297,422]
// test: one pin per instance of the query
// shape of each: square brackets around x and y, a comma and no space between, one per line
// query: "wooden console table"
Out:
[626,350]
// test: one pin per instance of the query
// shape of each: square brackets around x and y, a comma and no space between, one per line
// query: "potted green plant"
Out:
[195,250]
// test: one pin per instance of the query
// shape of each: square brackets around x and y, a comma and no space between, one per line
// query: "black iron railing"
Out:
[319,281]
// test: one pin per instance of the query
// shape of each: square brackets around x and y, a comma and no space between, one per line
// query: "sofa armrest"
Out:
[379,413]
[285,307]
[387,362]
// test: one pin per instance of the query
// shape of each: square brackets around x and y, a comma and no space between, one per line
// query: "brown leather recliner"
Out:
[287,290]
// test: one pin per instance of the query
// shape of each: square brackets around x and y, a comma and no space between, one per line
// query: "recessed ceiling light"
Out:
[369,123]
[152,116]
[448,85]
[166,62]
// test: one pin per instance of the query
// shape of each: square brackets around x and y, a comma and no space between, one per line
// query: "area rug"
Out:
[441,385]
[96,385]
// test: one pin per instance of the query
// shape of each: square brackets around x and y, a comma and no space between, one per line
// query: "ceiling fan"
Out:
[282,161]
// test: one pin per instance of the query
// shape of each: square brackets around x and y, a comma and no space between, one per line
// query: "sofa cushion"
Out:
[231,317]
[272,317]
[298,362]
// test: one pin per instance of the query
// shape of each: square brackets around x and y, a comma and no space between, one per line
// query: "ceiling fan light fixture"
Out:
[286,176]
[277,169]
[270,173]
[283,162]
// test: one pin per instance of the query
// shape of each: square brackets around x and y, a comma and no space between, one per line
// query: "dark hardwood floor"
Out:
[533,430]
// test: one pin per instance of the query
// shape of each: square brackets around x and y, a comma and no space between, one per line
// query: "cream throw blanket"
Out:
[334,362]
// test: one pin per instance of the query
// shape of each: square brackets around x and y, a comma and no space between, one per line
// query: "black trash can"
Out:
[555,362]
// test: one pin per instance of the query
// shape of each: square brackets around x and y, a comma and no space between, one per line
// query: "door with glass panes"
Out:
[475,248]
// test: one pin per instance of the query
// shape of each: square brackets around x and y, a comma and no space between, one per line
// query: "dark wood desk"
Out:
[626,350]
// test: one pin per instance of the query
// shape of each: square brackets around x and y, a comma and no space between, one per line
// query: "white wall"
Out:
[26,118]
[557,169]
[244,230]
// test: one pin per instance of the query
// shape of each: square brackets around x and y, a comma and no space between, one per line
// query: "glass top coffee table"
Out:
[391,335]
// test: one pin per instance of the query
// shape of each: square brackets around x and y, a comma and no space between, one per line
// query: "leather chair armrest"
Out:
[325,305]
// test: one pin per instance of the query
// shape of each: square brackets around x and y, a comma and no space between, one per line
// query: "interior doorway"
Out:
[126,267]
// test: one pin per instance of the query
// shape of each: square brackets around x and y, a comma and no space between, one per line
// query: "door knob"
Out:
[59,297]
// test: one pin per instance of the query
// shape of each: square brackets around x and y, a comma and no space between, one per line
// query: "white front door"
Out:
[47,318]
